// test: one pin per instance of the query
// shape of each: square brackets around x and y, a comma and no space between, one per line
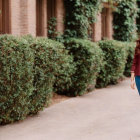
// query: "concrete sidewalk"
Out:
[111,113]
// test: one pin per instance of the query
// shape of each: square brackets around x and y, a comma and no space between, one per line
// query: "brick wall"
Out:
[97,29]
[31,17]
[23,23]
[109,23]
[24,18]
[60,13]
[15,17]
[41,16]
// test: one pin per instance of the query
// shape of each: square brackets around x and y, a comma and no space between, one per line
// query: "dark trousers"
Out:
[137,80]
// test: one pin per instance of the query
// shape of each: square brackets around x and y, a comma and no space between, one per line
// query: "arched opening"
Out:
[91,32]
[51,4]
[45,11]
[41,18]
[4,17]
[104,23]
[138,19]
[51,17]
[107,27]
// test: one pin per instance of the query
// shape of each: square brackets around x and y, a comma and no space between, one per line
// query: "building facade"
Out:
[20,17]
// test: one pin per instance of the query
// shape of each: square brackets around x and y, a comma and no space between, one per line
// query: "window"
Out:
[1,17]
[4,17]
[39,18]
[51,9]
[138,18]
[91,32]
[51,18]
[45,10]
[104,23]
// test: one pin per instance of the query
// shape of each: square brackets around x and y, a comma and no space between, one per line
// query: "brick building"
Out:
[19,17]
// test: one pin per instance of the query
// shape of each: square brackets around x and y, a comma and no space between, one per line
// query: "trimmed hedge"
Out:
[43,76]
[115,55]
[64,67]
[52,69]
[87,60]
[16,77]
[130,54]
[64,71]
[30,69]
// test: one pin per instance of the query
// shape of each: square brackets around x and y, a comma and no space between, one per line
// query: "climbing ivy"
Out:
[80,14]
[124,19]
[52,33]
[138,18]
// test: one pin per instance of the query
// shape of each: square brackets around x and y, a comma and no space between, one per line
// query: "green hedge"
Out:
[16,78]
[64,67]
[52,69]
[30,69]
[130,54]
[43,74]
[115,55]
[124,18]
[87,61]
[64,71]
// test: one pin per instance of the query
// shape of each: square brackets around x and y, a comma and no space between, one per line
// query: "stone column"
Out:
[41,18]
[23,17]
[109,25]
[31,17]
[15,17]
[97,29]
[60,13]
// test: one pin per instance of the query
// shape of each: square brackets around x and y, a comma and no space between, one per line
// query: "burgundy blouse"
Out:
[136,64]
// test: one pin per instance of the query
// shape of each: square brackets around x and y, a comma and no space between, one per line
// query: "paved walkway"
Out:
[111,113]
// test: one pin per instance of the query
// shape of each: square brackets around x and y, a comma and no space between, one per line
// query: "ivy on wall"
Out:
[80,14]
[138,18]
[124,20]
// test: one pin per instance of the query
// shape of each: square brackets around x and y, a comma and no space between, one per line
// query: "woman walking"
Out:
[135,68]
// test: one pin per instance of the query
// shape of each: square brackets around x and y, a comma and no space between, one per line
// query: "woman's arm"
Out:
[133,71]
[132,80]
[133,63]
[132,76]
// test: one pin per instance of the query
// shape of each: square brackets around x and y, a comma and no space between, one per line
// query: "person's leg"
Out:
[137,80]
